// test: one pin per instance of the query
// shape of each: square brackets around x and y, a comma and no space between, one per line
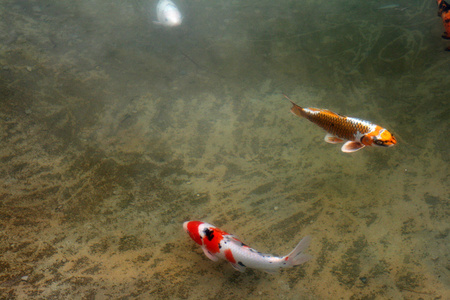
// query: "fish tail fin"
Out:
[295,109]
[297,257]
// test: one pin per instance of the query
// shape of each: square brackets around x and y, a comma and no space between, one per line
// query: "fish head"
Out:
[381,138]
[193,229]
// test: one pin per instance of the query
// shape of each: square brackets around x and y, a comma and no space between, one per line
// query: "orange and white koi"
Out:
[218,244]
[356,132]
[444,13]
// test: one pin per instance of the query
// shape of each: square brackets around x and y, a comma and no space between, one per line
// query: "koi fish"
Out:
[218,244]
[168,14]
[444,13]
[356,132]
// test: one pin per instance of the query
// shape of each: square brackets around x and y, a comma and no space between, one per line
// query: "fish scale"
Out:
[340,126]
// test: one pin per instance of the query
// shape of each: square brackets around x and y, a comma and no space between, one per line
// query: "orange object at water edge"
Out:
[444,13]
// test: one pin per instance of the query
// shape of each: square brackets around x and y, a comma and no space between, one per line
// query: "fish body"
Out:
[444,13]
[356,133]
[218,244]
[168,14]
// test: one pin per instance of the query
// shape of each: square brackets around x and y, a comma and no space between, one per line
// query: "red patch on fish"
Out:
[229,256]
[212,239]
[192,228]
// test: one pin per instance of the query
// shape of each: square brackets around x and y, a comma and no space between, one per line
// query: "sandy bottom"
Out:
[113,132]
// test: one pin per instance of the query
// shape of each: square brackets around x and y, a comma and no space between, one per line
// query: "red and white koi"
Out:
[356,133]
[218,244]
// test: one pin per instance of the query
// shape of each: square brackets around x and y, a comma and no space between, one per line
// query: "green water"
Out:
[115,131]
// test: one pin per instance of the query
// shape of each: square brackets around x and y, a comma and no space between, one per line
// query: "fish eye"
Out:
[379,142]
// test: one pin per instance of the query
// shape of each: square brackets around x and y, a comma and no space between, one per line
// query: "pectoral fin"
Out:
[239,266]
[329,138]
[210,255]
[352,146]
[271,271]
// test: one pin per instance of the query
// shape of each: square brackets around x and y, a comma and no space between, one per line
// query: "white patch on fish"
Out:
[168,14]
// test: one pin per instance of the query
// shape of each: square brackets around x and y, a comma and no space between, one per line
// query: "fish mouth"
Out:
[393,141]
[185,224]
[387,145]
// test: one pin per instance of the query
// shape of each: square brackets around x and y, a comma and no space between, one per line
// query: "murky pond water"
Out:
[114,131]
